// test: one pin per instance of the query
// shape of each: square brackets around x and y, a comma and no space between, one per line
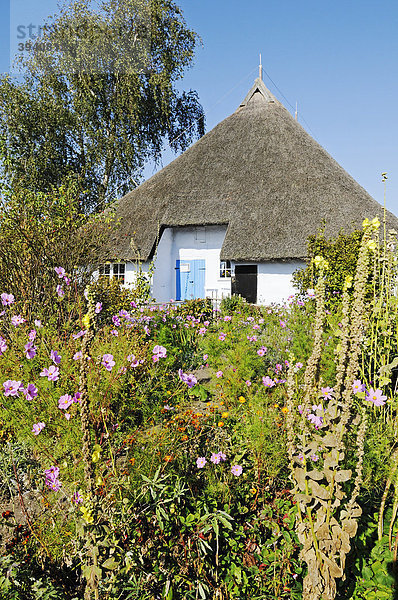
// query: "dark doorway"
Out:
[245,282]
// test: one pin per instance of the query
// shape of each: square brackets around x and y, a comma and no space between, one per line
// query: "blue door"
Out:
[190,279]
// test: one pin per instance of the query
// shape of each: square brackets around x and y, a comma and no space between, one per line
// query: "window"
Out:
[225,268]
[117,270]
[105,270]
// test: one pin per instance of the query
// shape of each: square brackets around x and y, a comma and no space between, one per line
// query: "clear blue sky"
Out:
[338,60]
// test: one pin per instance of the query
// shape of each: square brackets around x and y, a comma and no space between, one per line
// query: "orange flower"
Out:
[284,410]
[220,423]
[225,415]
[242,399]
[168,457]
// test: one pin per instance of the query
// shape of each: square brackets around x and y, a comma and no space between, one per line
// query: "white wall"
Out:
[189,243]
[274,281]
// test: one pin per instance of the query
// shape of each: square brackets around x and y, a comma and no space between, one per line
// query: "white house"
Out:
[233,213]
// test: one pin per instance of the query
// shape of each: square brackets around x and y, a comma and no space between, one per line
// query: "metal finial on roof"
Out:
[260,70]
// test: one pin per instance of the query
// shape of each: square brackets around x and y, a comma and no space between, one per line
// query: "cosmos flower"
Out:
[358,386]
[52,373]
[236,470]
[12,388]
[30,350]
[30,391]
[268,382]
[200,462]
[7,299]
[60,271]
[376,396]
[108,362]
[190,379]
[65,401]
[37,428]
[17,320]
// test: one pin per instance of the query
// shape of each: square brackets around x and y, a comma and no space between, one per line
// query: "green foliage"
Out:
[342,255]
[198,308]
[113,297]
[41,231]
[373,571]
[104,103]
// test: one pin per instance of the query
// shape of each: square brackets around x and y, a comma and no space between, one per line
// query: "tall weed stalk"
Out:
[326,434]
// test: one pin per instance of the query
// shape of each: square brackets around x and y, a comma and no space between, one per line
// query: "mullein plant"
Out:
[321,424]
[90,568]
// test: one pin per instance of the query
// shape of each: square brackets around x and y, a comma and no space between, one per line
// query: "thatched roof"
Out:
[259,172]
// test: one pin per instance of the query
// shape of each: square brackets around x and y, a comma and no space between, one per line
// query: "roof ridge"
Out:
[258,86]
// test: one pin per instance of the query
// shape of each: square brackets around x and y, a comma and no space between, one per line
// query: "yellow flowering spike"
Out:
[320,262]
[87,514]
[86,321]
[348,282]
[366,223]
[371,245]
[375,223]
[96,455]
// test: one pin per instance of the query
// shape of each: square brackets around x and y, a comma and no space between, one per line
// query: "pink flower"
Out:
[205,357]
[60,271]
[78,335]
[200,462]
[114,332]
[38,427]
[159,352]
[12,388]
[222,337]
[236,470]
[3,345]
[77,498]
[32,335]
[216,458]
[248,382]
[315,420]
[261,351]
[60,291]
[311,293]
[108,362]
[327,392]
[65,401]
[30,350]
[282,324]
[227,318]
[219,374]
[52,373]
[190,379]
[98,307]
[17,320]
[78,355]
[268,382]
[52,480]
[358,386]
[55,357]
[7,299]
[30,391]
[376,396]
